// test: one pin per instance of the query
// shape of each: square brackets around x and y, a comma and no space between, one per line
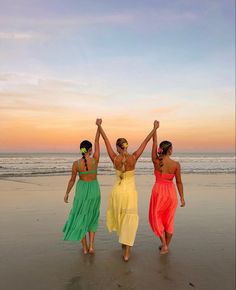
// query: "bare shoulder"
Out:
[176,165]
[132,159]
[132,156]
[75,164]
[156,161]
[174,161]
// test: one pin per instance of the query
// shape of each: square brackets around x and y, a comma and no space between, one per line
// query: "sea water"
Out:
[33,164]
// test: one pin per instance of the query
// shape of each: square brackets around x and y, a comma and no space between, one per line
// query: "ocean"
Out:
[35,164]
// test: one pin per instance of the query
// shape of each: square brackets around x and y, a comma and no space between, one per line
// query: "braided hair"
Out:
[163,150]
[84,147]
[123,144]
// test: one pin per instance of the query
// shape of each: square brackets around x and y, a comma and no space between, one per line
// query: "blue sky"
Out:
[130,60]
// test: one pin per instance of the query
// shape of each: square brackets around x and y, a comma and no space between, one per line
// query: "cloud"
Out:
[64,21]
[139,17]
[16,35]
[31,95]
[21,81]
[27,34]
[94,19]
[8,79]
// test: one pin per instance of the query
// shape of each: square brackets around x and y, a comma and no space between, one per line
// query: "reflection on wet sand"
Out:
[35,257]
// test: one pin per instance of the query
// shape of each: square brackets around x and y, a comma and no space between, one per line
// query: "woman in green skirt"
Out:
[83,217]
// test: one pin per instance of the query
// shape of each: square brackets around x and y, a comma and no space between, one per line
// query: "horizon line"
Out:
[102,152]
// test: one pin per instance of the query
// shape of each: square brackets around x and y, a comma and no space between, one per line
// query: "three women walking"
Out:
[122,211]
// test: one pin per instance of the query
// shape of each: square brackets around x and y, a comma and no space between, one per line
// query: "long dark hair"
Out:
[85,145]
[163,150]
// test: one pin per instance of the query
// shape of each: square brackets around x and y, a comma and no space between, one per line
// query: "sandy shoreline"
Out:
[33,255]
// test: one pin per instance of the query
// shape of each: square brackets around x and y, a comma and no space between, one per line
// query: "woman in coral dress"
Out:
[164,201]
[122,212]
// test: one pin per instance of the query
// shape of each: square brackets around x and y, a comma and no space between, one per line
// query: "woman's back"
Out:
[128,161]
[89,173]
[166,165]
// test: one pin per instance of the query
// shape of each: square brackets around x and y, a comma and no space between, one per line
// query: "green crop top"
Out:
[93,171]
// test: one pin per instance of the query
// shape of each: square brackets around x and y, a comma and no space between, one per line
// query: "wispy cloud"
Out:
[9,81]
[140,17]
[30,93]
[16,35]
[64,65]
[65,21]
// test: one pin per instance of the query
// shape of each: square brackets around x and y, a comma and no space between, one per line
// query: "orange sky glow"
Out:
[64,133]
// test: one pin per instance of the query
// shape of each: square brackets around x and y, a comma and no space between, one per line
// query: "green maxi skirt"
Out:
[85,211]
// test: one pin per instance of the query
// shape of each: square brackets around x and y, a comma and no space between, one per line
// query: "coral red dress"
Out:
[163,204]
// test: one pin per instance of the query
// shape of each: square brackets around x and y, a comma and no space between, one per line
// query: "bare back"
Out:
[91,173]
[169,165]
[129,164]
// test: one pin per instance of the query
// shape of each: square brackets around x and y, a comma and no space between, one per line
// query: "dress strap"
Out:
[88,172]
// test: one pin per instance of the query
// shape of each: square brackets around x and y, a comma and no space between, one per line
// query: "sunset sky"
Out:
[64,63]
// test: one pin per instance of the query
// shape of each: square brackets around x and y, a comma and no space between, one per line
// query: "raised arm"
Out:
[96,154]
[179,184]
[154,147]
[139,151]
[110,151]
[71,181]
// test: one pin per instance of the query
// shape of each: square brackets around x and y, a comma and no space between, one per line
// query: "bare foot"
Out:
[91,251]
[85,251]
[125,258]
[164,250]
[126,253]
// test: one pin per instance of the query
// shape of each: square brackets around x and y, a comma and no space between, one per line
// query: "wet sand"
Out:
[33,255]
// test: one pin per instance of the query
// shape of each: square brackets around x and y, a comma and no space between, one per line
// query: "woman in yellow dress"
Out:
[122,212]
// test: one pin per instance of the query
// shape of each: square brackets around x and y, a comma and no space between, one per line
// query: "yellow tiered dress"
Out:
[122,212]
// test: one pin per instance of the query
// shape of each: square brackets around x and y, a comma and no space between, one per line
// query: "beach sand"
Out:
[34,256]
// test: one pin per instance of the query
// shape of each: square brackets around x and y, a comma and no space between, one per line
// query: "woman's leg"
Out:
[91,242]
[84,244]
[126,253]
[164,247]
[168,237]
